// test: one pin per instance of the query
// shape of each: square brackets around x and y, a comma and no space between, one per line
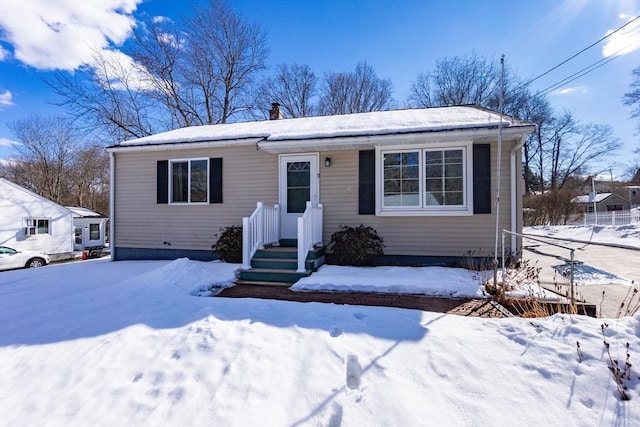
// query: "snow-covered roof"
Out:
[347,125]
[83,212]
[588,198]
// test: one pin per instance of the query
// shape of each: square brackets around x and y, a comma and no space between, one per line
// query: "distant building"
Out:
[633,192]
[604,202]
[89,228]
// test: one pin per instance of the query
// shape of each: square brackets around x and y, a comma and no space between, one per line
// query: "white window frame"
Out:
[99,231]
[29,225]
[466,209]
[188,161]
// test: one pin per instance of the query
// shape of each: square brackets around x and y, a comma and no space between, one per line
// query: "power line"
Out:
[583,50]
[584,71]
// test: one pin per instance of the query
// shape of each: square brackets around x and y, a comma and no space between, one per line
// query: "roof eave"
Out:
[360,142]
[339,142]
[178,145]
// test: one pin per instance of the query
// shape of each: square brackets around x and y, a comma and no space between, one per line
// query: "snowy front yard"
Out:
[129,343]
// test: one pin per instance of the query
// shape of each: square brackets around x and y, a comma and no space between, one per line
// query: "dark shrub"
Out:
[353,246]
[228,247]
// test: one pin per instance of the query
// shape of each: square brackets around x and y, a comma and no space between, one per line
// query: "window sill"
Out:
[423,212]
[188,203]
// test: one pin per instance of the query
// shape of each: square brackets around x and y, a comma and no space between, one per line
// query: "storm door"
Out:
[298,185]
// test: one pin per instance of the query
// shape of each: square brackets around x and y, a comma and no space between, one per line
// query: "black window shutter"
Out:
[481,178]
[162,182]
[215,180]
[367,183]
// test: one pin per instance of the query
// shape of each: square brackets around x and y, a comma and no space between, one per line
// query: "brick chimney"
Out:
[274,113]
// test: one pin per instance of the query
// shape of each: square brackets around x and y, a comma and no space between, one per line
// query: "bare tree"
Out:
[536,110]
[559,147]
[456,81]
[159,53]
[112,98]
[225,54]
[88,178]
[359,91]
[562,128]
[52,160]
[632,98]
[575,146]
[46,149]
[170,76]
[293,87]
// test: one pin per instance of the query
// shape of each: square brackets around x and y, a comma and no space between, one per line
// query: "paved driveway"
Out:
[623,263]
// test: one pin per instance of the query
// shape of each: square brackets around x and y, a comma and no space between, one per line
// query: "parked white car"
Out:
[11,258]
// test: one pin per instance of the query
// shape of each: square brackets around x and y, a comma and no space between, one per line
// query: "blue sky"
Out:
[398,38]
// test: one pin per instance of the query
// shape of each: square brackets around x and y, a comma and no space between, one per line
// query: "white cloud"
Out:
[571,90]
[64,34]
[624,41]
[5,142]
[121,71]
[4,53]
[6,99]
[160,19]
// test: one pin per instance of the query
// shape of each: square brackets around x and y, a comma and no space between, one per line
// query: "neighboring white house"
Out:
[89,228]
[29,221]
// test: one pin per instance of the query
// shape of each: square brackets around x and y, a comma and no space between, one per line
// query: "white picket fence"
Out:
[613,218]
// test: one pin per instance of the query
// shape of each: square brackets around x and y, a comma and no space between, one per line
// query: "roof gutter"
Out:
[112,205]
[179,145]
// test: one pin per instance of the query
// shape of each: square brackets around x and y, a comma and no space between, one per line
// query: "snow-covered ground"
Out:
[130,343]
[622,235]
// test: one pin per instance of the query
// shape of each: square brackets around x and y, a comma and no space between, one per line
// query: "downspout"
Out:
[514,189]
[112,205]
[498,173]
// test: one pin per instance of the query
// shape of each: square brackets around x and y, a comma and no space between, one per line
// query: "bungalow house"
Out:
[425,179]
[604,202]
[29,221]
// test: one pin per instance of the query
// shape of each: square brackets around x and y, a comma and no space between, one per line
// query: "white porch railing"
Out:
[261,228]
[309,232]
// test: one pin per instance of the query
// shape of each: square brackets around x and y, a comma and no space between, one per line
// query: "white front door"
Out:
[298,185]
